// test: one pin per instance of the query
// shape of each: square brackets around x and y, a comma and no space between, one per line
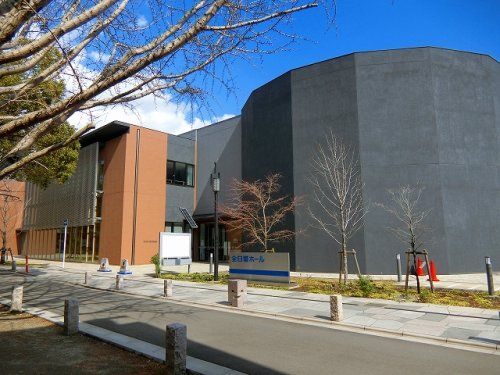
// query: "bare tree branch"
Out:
[111,57]
[337,193]
[257,211]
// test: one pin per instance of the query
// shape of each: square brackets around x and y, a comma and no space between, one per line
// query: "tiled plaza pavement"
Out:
[451,322]
[475,281]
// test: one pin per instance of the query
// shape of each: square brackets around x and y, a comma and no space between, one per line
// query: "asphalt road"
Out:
[251,344]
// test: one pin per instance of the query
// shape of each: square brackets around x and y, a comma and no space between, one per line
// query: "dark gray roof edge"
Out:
[388,50]
[360,52]
[105,133]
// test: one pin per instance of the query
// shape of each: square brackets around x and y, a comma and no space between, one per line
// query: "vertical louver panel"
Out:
[75,200]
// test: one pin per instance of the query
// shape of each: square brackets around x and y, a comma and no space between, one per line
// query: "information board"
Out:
[175,245]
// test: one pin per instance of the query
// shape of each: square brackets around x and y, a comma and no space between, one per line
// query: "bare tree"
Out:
[8,197]
[117,51]
[405,207]
[257,210]
[337,193]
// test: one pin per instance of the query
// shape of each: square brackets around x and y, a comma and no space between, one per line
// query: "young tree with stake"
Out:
[337,193]
[405,207]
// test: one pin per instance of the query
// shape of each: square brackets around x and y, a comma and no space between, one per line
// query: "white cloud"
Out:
[99,56]
[142,21]
[149,113]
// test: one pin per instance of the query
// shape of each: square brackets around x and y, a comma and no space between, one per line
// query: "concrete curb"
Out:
[155,352]
[463,344]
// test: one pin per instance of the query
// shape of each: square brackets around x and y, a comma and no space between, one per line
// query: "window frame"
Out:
[174,181]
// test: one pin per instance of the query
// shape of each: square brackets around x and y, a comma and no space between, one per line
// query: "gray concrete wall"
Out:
[221,143]
[181,149]
[423,116]
[267,142]
[323,99]
[398,146]
[469,155]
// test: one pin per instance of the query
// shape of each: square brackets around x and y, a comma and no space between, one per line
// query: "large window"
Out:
[180,173]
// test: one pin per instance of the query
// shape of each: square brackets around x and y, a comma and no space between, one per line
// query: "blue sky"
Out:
[360,25]
[363,25]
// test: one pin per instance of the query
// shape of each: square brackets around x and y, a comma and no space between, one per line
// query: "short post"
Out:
[14,266]
[16,304]
[176,349]
[167,288]
[71,316]
[489,275]
[336,311]
[88,277]
[211,269]
[237,292]
[398,263]
[27,267]
[119,282]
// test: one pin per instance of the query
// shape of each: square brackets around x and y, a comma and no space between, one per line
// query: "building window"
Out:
[100,175]
[180,173]
[173,227]
[98,206]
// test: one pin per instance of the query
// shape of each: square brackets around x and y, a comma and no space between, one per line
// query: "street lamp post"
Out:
[215,179]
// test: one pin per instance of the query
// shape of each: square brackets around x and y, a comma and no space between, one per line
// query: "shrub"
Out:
[366,285]
[155,259]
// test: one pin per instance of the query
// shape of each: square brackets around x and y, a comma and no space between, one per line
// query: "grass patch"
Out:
[364,287]
[22,263]
[197,277]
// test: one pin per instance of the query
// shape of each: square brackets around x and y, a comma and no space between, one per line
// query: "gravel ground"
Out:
[34,345]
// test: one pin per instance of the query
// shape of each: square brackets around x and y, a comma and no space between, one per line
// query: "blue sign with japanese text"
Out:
[274,267]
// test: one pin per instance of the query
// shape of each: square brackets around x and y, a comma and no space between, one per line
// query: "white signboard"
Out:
[175,246]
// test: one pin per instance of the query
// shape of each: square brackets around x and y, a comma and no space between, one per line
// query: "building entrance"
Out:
[207,238]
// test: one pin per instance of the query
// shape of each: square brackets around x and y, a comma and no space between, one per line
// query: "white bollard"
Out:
[124,268]
[16,304]
[167,288]
[176,349]
[336,312]
[119,282]
[71,316]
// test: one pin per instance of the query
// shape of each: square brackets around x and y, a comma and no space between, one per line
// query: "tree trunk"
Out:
[415,265]
[344,258]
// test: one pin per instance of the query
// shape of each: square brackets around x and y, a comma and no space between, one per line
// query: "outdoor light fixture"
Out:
[215,177]
[216,183]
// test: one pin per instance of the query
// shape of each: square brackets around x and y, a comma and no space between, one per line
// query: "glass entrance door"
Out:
[207,239]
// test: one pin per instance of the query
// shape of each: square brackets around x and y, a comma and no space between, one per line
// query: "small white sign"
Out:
[175,245]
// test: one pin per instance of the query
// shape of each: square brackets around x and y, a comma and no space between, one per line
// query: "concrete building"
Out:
[418,115]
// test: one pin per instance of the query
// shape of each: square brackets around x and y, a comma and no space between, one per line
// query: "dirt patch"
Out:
[34,345]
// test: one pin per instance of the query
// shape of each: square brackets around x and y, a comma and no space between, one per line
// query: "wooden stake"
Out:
[407,270]
[426,257]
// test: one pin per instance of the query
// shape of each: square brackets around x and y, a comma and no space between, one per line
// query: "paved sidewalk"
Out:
[475,326]
[474,281]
